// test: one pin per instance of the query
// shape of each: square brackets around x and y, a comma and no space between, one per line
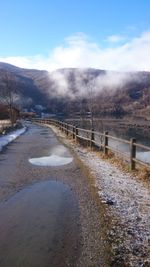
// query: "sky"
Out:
[52,34]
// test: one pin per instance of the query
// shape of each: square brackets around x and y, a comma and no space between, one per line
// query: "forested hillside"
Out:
[79,90]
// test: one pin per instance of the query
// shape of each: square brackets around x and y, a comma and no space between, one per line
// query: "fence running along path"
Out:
[100,140]
[4,124]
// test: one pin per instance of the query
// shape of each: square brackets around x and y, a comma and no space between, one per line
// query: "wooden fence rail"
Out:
[100,140]
[4,124]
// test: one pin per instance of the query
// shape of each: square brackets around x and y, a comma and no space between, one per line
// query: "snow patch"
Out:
[52,160]
[6,139]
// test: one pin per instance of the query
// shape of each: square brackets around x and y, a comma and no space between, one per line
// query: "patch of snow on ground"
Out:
[52,160]
[6,139]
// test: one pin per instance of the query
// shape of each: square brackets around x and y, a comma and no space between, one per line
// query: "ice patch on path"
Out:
[52,160]
[6,139]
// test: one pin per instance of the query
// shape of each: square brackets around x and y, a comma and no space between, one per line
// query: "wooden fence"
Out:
[101,141]
[4,124]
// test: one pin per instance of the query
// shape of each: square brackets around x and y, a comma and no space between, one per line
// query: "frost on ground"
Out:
[129,201]
[6,139]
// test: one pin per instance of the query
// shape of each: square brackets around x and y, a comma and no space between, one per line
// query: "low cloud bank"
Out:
[80,83]
[78,51]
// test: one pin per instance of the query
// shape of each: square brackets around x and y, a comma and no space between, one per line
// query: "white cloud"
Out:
[79,51]
[60,84]
[115,38]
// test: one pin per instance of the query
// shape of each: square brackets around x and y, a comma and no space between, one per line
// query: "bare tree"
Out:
[91,100]
[82,111]
[8,93]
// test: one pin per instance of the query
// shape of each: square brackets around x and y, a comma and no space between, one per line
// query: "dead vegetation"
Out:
[142,173]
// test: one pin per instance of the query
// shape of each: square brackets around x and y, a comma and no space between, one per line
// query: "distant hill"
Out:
[68,90]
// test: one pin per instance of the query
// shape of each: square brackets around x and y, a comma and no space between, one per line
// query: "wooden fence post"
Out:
[76,132]
[132,153]
[92,138]
[65,128]
[59,123]
[62,126]
[73,134]
[105,143]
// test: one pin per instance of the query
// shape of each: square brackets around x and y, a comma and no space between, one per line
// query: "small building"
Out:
[27,114]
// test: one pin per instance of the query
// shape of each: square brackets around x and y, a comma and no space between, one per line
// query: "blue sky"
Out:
[37,33]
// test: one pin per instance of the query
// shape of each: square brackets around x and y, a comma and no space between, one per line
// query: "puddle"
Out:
[44,133]
[52,161]
[60,150]
[38,227]
[47,134]
[58,156]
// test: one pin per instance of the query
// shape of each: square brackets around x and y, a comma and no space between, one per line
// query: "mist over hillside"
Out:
[73,89]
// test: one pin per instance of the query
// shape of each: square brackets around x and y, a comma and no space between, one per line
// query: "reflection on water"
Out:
[60,150]
[127,134]
[38,227]
[144,156]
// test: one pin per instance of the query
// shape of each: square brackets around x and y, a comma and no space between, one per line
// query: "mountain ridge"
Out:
[56,90]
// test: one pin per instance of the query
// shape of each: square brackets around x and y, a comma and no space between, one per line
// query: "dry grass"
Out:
[141,172]
[114,159]
[144,173]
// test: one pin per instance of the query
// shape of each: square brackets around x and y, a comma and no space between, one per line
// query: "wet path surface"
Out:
[39,223]
[48,214]
[37,227]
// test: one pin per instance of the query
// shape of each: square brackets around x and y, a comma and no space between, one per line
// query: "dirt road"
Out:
[48,216]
